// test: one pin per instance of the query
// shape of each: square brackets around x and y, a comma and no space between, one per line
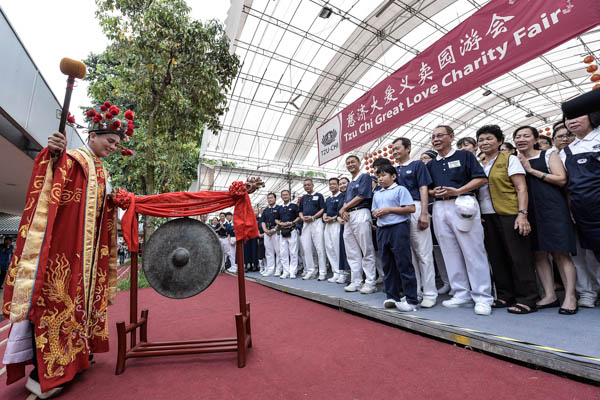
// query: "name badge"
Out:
[582,161]
[454,164]
[316,198]
[409,172]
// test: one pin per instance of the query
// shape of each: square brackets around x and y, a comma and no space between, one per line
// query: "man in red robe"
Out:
[63,273]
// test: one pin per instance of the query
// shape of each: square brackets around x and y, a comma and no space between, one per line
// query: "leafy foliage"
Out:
[125,284]
[174,72]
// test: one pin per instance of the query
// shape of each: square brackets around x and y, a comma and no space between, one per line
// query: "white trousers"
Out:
[358,241]
[312,234]
[288,250]
[421,246]
[332,245]
[224,248]
[588,274]
[272,253]
[231,251]
[464,254]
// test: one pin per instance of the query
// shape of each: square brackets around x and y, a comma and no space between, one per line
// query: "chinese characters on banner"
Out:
[496,39]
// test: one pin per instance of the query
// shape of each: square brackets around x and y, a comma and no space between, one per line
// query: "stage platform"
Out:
[566,344]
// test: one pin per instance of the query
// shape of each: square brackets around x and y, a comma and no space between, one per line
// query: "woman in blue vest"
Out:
[552,229]
[504,209]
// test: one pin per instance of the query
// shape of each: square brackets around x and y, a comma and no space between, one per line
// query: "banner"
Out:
[501,36]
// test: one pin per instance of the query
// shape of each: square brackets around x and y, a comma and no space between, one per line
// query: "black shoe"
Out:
[565,311]
[555,303]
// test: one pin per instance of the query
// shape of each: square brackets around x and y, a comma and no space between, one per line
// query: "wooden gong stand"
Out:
[240,344]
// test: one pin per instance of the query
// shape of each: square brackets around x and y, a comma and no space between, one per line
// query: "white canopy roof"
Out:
[299,69]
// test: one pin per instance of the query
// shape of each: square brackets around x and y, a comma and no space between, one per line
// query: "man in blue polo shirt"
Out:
[358,239]
[311,210]
[456,174]
[414,176]
[288,241]
[269,215]
[332,228]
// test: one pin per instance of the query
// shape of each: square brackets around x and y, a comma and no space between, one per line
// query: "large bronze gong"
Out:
[182,258]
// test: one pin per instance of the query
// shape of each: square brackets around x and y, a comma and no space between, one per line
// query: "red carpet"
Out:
[302,350]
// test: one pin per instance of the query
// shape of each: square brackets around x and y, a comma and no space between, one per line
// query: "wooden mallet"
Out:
[73,69]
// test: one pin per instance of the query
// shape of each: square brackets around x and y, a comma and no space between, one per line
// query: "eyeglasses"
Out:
[438,136]
[563,137]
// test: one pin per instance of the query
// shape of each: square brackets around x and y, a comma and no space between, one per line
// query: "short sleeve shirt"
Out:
[412,176]
[455,170]
[485,199]
[269,215]
[311,204]
[394,196]
[332,204]
[288,212]
[589,144]
[361,186]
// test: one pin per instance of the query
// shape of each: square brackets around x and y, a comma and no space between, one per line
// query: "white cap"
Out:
[466,209]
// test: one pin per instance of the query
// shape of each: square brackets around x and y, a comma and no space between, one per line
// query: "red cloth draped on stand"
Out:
[184,204]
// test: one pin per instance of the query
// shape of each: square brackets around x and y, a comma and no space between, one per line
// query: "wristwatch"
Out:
[523,212]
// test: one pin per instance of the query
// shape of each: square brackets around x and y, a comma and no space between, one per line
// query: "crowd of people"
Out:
[513,222]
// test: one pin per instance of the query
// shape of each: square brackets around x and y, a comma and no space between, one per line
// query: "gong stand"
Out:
[240,344]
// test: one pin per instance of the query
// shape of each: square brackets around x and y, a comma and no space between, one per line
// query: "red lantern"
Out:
[592,68]
[540,130]
[547,128]
[595,78]
[588,59]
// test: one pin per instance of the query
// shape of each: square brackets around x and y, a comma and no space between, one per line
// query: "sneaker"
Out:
[342,279]
[352,287]
[309,276]
[270,273]
[292,276]
[277,273]
[389,303]
[34,387]
[455,303]
[334,278]
[444,289]
[379,280]
[428,303]
[482,309]
[404,306]
[587,303]
[322,277]
[368,288]
[284,276]
[232,270]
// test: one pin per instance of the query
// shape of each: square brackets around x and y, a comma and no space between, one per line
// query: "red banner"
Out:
[501,36]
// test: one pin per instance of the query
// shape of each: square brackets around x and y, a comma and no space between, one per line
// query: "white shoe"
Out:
[34,387]
[334,278]
[389,303]
[269,273]
[292,276]
[368,288]
[342,279]
[322,277]
[352,287]
[482,309]
[277,273]
[428,303]
[309,276]
[455,303]
[444,289]
[232,270]
[379,280]
[405,307]
[586,303]
[284,276]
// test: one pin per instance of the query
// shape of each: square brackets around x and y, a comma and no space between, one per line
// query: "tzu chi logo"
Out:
[329,137]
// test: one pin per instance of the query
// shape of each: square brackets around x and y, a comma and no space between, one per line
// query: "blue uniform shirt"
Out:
[289,212]
[269,215]
[394,196]
[333,204]
[223,232]
[310,204]
[230,231]
[362,187]
[457,169]
[412,176]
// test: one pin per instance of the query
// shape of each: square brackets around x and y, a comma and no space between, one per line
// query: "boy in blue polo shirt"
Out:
[391,206]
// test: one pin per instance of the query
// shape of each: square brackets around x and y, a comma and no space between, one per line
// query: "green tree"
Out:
[174,72]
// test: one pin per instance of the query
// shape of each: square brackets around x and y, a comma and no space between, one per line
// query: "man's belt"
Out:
[454,197]
[356,208]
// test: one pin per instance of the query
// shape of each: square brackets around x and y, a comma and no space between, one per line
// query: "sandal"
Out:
[499,303]
[521,309]
[555,303]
